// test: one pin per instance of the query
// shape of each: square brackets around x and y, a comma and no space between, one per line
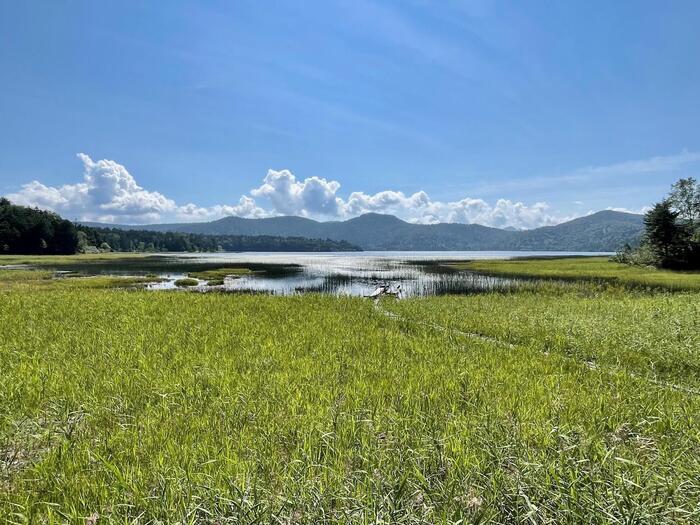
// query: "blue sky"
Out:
[503,113]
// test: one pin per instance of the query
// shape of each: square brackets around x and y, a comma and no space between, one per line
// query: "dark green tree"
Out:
[65,238]
[33,231]
[663,234]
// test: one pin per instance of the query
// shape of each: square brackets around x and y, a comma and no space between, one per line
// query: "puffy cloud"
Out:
[503,214]
[109,188]
[314,196]
[385,202]
[318,197]
[109,193]
[246,207]
[36,194]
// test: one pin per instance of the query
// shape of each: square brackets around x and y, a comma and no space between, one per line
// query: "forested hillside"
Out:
[31,231]
[603,231]
[150,241]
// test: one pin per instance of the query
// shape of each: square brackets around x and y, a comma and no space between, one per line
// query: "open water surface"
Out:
[353,273]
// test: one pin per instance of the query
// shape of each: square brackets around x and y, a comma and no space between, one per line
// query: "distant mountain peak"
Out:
[377,217]
[605,230]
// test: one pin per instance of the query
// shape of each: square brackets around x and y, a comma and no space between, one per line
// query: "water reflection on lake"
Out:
[360,274]
[352,273]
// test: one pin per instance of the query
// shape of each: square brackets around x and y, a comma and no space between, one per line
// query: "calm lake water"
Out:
[343,273]
[354,273]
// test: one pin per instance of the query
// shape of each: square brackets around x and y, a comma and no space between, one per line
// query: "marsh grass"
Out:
[216,276]
[34,280]
[51,260]
[655,334]
[124,270]
[150,407]
[186,282]
[589,268]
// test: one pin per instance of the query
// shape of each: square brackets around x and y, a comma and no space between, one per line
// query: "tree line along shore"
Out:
[31,231]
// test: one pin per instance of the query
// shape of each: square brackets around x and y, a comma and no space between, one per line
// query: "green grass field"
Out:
[558,403]
[48,260]
[593,268]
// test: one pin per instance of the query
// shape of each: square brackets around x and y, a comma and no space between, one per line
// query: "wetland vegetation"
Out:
[217,276]
[31,231]
[590,268]
[561,401]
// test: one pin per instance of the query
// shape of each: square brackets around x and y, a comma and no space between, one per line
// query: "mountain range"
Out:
[602,231]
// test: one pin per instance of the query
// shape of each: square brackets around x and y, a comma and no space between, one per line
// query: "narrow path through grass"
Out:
[505,344]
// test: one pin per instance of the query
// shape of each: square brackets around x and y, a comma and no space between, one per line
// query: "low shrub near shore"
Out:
[186,282]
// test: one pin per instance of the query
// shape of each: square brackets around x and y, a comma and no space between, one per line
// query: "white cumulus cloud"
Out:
[502,214]
[109,193]
[318,197]
[314,196]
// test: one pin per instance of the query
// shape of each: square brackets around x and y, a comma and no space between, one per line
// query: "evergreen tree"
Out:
[663,234]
